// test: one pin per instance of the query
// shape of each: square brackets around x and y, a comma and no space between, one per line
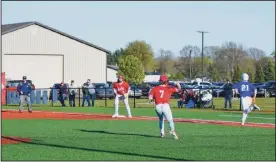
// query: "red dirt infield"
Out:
[13,114]
[13,140]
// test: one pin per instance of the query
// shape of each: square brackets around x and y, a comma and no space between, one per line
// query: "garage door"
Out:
[43,70]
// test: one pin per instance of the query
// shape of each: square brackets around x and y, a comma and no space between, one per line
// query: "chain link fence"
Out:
[104,97]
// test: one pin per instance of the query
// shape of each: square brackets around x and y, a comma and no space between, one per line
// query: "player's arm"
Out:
[254,94]
[151,95]
[178,86]
[114,89]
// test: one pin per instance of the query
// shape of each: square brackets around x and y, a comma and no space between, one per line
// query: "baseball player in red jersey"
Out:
[121,88]
[161,95]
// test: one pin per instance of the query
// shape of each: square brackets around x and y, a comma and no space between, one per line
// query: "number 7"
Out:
[161,93]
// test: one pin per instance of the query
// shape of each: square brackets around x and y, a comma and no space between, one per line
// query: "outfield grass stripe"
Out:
[257,117]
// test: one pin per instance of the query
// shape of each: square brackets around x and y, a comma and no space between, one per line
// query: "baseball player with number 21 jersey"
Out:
[161,95]
[246,91]
[121,89]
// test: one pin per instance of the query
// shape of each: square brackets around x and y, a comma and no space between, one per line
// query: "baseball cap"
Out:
[24,77]
[163,78]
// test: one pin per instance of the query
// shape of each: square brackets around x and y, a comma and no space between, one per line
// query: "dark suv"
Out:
[267,90]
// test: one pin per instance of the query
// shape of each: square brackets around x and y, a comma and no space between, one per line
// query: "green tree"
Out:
[269,73]
[143,52]
[251,75]
[213,72]
[132,69]
[113,58]
[259,75]
[273,54]
[237,74]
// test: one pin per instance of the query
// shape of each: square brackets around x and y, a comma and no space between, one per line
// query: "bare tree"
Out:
[255,53]
[165,61]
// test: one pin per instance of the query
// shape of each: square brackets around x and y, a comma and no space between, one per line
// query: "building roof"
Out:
[112,67]
[7,28]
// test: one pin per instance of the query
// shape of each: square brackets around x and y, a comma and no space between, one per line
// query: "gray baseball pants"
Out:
[24,98]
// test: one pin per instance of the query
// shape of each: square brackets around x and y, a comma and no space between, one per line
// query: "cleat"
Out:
[174,135]
[115,116]
[30,111]
[162,135]
[20,111]
[129,116]
[242,123]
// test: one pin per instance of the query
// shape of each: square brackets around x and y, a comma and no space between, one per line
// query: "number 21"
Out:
[245,88]
[161,93]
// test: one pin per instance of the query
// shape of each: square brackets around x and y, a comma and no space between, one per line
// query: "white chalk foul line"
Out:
[257,117]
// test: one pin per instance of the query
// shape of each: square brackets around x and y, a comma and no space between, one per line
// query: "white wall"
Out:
[80,61]
[111,75]
[151,78]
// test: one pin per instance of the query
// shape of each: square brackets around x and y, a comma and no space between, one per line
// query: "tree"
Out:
[259,75]
[165,61]
[255,53]
[237,74]
[132,69]
[112,59]
[213,72]
[269,73]
[273,54]
[143,52]
[251,75]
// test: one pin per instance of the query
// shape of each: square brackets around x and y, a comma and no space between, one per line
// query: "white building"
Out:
[112,73]
[46,56]
[152,77]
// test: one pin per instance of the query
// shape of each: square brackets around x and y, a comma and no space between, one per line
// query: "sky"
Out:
[167,25]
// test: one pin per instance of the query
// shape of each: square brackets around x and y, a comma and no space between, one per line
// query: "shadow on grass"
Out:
[128,134]
[98,150]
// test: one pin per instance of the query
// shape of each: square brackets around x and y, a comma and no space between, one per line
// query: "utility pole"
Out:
[202,33]
[190,64]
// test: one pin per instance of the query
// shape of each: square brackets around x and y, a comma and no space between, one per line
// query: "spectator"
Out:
[228,94]
[91,91]
[62,93]
[24,89]
[85,96]
[72,95]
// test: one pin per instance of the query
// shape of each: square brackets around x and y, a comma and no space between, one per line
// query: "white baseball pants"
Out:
[247,107]
[164,111]
[116,103]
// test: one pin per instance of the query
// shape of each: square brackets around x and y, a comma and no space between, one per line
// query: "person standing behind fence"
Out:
[72,95]
[24,89]
[91,91]
[62,93]
[228,94]
[85,94]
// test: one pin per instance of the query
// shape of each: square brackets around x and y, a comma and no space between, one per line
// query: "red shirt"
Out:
[162,94]
[121,88]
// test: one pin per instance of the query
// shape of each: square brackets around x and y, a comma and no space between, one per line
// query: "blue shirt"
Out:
[245,89]
[25,88]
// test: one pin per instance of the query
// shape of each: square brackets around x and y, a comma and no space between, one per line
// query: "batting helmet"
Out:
[245,77]
[163,78]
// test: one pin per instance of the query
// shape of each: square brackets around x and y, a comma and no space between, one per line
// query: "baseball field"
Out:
[89,133]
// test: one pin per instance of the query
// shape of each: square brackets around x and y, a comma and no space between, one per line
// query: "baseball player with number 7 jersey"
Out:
[246,91]
[161,95]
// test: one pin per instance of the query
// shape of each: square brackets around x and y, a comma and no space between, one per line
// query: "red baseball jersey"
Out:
[121,88]
[162,94]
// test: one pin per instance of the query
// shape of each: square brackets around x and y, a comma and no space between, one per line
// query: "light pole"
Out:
[190,55]
[202,33]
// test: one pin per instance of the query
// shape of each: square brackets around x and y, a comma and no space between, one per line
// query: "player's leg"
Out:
[116,104]
[159,113]
[127,107]
[168,115]
[27,98]
[246,106]
[22,100]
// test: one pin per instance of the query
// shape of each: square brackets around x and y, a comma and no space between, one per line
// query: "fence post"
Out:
[6,96]
[105,101]
[79,96]
[134,97]
[51,89]
[240,104]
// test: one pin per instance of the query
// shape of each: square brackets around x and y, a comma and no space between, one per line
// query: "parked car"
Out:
[218,91]
[146,86]
[11,85]
[266,90]
[138,92]
[57,86]
[104,90]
